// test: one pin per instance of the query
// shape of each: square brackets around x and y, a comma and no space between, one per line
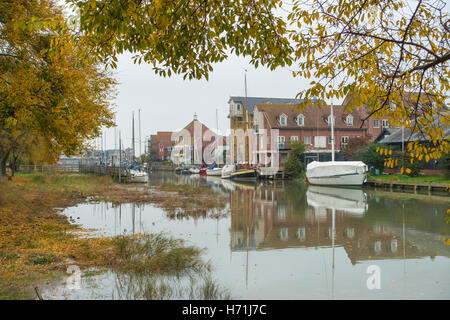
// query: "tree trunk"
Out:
[3,159]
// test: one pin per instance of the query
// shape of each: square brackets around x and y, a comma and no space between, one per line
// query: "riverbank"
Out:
[405,178]
[38,243]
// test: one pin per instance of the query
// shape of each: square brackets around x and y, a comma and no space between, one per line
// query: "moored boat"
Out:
[244,174]
[138,176]
[214,172]
[178,169]
[337,173]
[194,170]
[227,170]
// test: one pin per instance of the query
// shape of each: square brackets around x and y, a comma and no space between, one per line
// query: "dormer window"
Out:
[283,120]
[329,120]
[349,120]
[301,120]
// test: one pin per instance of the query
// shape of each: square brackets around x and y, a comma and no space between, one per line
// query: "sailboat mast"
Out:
[132,139]
[332,132]
[140,150]
[246,106]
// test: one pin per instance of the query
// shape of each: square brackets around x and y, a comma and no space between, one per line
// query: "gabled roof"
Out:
[314,116]
[252,101]
[190,127]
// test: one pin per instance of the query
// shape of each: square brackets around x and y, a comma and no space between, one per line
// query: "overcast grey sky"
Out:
[168,104]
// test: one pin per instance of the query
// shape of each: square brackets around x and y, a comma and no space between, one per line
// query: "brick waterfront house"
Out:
[162,143]
[241,116]
[185,142]
[311,126]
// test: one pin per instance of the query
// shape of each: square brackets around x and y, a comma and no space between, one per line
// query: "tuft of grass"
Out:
[156,253]
[41,259]
[210,290]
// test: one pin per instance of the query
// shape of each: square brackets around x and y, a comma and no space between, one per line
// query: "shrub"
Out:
[371,157]
[293,165]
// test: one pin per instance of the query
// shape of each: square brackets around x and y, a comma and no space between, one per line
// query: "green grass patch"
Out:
[41,259]
[156,254]
[405,178]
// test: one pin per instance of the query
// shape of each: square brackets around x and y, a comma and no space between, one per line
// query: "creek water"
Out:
[285,240]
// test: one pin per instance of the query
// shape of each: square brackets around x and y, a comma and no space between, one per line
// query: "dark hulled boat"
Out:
[244,174]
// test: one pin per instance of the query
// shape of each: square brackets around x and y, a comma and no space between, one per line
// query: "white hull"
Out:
[141,178]
[227,170]
[194,170]
[214,172]
[337,173]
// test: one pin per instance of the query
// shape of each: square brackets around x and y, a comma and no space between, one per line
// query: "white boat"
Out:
[138,176]
[336,173]
[214,172]
[227,170]
[194,170]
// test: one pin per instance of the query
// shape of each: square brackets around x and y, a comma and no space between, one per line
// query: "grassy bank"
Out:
[37,243]
[405,178]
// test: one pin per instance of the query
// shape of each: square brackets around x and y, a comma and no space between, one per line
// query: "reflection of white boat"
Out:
[227,184]
[338,173]
[214,172]
[350,201]
[138,176]
[227,170]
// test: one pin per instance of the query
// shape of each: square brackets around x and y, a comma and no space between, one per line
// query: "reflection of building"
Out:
[267,217]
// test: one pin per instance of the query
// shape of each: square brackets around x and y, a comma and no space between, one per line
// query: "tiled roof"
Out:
[409,99]
[252,101]
[164,136]
[396,136]
[190,127]
[314,116]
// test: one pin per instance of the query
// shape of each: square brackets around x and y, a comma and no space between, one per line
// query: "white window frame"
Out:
[329,118]
[377,123]
[283,116]
[344,139]
[284,234]
[349,120]
[295,138]
[309,138]
[281,140]
[300,116]
[385,123]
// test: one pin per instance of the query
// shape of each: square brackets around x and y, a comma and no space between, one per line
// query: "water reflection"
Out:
[283,240]
[276,217]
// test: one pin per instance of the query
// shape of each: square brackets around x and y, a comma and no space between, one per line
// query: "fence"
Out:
[120,173]
[48,168]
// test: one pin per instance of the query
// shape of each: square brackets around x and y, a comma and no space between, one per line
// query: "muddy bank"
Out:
[37,243]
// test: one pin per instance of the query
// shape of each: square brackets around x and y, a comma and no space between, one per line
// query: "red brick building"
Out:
[162,143]
[311,126]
